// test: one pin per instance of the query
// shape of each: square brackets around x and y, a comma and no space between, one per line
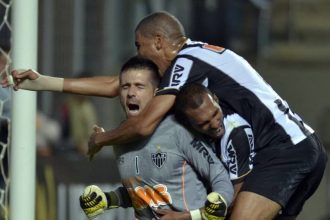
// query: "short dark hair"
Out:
[190,96]
[161,22]
[139,63]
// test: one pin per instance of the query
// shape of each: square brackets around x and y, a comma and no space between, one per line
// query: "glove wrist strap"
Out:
[195,214]
[112,199]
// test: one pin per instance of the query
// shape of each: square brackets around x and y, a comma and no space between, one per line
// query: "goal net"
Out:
[5,105]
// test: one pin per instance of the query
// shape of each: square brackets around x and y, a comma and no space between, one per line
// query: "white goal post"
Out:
[23,136]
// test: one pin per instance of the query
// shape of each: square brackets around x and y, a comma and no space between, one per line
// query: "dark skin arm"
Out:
[167,214]
[134,128]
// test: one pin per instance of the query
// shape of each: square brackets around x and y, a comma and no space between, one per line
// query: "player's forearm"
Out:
[106,86]
[129,131]
[43,83]
[137,127]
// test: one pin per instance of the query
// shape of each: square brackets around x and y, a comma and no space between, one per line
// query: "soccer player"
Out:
[170,169]
[265,172]
[197,108]
[160,37]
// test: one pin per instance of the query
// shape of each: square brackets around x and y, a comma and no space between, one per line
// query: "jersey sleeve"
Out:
[240,153]
[124,200]
[201,157]
[181,72]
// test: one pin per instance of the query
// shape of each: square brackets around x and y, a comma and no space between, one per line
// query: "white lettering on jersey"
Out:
[228,152]
[232,159]
[250,137]
[180,72]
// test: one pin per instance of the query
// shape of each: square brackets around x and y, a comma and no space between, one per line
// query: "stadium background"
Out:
[287,41]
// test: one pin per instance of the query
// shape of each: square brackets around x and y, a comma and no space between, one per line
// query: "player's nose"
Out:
[214,124]
[131,92]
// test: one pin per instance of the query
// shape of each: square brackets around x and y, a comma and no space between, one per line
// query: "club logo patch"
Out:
[159,158]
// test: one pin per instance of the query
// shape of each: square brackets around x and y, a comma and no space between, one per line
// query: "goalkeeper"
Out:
[172,169]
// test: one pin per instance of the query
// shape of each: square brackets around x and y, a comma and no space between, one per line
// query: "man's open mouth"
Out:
[133,107]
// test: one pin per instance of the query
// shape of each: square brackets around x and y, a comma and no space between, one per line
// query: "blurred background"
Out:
[287,41]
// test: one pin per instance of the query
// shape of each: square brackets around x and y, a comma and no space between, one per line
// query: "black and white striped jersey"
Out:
[240,88]
[236,146]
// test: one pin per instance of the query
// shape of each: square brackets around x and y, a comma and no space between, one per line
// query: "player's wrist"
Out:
[99,139]
[50,83]
[195,214]
[113,201]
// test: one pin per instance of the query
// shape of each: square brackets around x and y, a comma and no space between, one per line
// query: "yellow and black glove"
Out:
[215,207]
[94,201]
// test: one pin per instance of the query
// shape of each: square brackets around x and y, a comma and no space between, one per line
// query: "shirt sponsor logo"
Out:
[178,71]
[149,196]
[250,137]
[232,162]
[201,148]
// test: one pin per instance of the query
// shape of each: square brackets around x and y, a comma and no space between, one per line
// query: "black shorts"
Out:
[288,175]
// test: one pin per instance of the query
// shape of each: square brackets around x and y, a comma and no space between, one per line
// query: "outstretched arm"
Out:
[134,128]
[106,86]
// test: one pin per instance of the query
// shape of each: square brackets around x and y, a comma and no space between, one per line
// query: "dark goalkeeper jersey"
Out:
[239,88]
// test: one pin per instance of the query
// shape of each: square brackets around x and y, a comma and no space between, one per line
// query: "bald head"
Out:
[163,24]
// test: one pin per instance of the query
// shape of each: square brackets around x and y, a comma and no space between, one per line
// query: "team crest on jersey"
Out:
[159,158]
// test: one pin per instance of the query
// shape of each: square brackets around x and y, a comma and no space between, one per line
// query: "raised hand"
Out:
[25,79]
[93,201]
[93,148]
[32,80]
[215,207]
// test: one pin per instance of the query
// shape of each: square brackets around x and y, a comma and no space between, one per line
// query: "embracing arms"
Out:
[134,128]
[106,86]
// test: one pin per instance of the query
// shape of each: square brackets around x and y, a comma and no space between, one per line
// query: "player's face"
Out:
[147,48]
[136,91]
[207,118]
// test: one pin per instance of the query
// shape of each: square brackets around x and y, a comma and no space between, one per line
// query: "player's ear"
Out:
[158,41]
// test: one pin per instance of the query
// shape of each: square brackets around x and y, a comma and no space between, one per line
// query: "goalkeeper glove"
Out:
[215,207]
[94,201]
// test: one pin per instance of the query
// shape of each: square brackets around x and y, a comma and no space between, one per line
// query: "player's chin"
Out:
[132,113]
[217,134]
